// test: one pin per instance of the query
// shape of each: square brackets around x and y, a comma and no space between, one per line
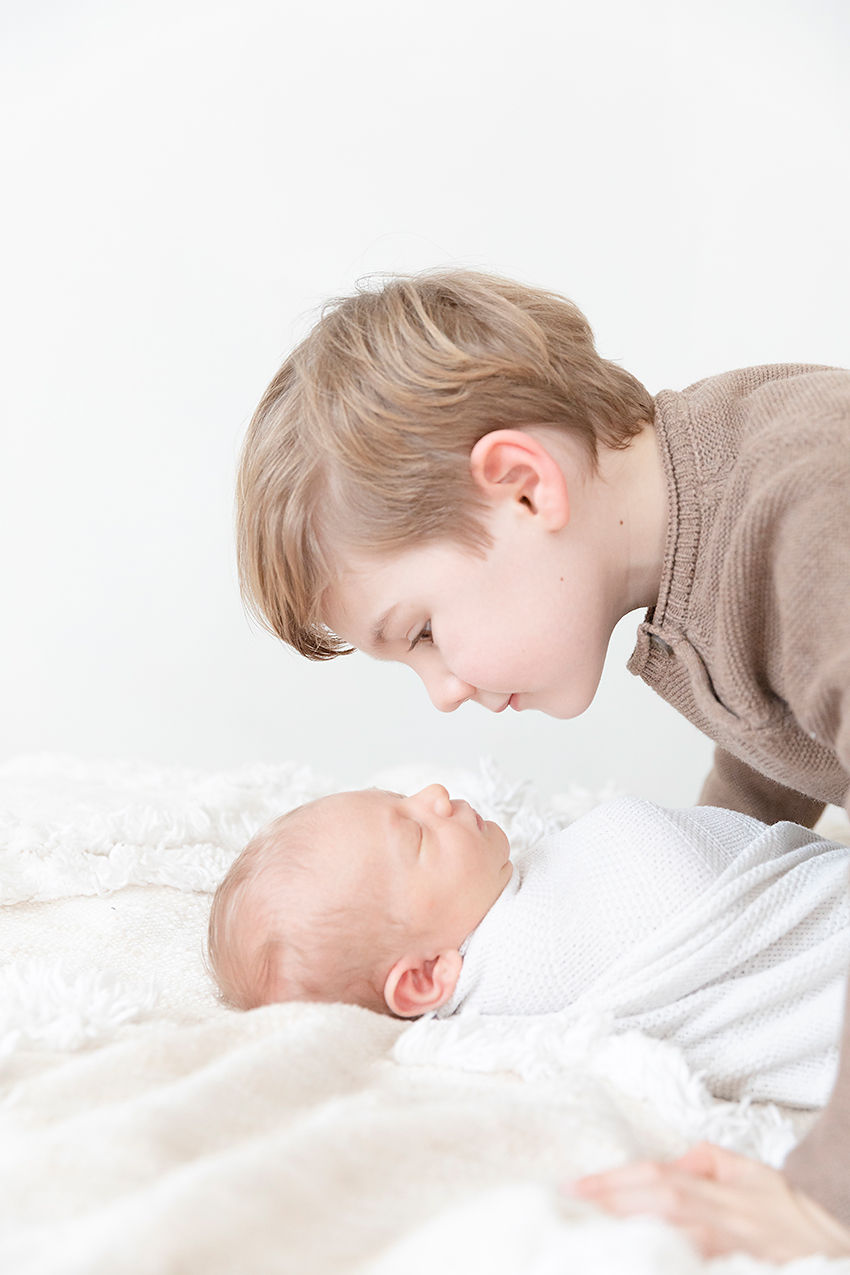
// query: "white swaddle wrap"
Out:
[701,926]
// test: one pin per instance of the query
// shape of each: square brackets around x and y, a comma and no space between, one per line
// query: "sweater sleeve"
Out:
[734,785]
[783,638]
[808,620]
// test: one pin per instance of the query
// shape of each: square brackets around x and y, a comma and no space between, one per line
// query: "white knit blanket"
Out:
[703,927]
[146,1129]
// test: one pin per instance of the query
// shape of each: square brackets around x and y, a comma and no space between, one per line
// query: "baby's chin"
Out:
[501,837]
[505,873]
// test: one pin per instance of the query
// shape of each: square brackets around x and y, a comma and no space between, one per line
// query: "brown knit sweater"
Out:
[750,637]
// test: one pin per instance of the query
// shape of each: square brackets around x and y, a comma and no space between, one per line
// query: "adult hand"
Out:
[725,1202]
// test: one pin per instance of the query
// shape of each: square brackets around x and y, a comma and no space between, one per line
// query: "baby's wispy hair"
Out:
[266,943]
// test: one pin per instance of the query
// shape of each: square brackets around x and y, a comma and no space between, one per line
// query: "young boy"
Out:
[703,927]
[445,473]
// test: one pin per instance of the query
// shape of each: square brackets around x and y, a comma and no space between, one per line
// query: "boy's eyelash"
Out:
[424,635]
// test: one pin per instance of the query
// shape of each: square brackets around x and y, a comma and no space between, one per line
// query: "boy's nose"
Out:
[445,691]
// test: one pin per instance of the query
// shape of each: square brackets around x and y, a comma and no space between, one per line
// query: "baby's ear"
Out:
[515,465]
[415,986]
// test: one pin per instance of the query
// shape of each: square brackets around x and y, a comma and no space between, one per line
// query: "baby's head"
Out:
[361,897]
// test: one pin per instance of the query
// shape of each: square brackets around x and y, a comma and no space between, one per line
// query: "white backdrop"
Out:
[185,181]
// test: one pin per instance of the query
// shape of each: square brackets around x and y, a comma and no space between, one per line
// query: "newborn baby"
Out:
[701,926]
[365,897]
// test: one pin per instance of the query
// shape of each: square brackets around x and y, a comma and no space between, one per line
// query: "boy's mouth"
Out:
[502,707]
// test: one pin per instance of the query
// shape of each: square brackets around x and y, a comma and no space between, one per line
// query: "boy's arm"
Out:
[734,785]
[820,1165]
[798,528]
[812,570]
[807,510]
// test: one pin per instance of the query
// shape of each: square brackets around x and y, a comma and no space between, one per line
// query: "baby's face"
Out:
[434,865]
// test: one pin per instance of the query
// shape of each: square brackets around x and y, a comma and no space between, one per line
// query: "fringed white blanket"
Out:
[146,1129]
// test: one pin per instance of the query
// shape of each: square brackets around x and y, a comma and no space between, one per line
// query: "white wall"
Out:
[185,180]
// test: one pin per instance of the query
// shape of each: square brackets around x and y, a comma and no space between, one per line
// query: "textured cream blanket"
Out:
[144,1128]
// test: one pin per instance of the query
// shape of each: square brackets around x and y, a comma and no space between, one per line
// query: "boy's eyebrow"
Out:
[380,629]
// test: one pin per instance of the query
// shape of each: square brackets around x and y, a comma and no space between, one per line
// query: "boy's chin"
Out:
[553,706]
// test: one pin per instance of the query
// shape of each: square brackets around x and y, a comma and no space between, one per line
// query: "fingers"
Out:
[662,1191]
[645,1186]
[700,1161]
[638,1173]
[729,1204]
[705,1160]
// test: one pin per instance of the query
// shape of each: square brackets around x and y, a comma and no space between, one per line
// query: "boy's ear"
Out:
[511,464]
[415,986]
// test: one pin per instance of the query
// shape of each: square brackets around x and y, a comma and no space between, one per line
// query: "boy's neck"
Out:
[639,515]
[620,510]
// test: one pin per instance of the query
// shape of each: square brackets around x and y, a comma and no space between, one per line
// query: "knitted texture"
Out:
[750,637]
[703,927]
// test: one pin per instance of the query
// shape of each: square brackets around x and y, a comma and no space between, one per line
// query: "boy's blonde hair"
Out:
[264,945]
[363,438]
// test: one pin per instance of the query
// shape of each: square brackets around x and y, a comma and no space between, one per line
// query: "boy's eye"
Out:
[424,635]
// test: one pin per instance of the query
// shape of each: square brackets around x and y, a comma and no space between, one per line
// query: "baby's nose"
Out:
[437,797]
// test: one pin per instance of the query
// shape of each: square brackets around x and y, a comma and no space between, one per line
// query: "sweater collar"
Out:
[667,620]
